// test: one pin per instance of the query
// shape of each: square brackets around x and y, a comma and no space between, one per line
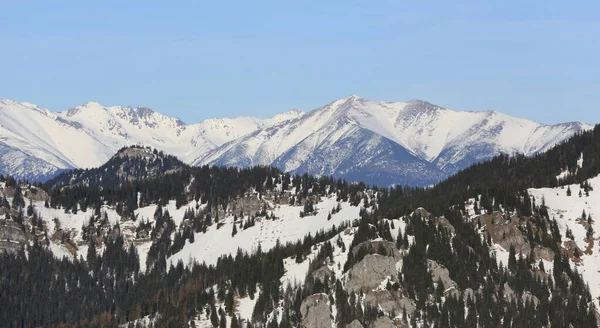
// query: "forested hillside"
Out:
[476,250]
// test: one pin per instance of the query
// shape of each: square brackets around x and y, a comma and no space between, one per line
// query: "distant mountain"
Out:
[385,143]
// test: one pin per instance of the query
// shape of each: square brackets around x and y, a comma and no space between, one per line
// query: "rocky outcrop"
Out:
[390,301]
[315,312]
[421,212]
[444,223]
[468,294]
[440,273]
[544,253]
[12,236]
[504,231]
[508,293]
[354,324]
[528,297]
[323,273]
[36,194]
[376,246]
[368,274]
[8,192]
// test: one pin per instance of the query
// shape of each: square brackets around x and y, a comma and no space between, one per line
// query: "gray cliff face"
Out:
[315,312]
[368,274]
[12,237]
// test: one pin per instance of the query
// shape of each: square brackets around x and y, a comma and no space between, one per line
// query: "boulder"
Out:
[315,312]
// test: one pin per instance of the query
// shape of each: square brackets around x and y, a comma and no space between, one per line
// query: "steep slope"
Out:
[436,142]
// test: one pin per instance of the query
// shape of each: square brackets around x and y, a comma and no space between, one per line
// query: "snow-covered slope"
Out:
[568,212]
[411,142]
[379,142]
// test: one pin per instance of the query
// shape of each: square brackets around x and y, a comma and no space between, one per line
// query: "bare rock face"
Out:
[528,297]
[315,312]
[373,245]
[541,252]
[439,272]
[9,192]
[322,273]
[505,232]
[354,324]
[36,194]
[509,294]
[443,222]
[390,301]
[11,236]
[422,212]
[368,274]
[468,294]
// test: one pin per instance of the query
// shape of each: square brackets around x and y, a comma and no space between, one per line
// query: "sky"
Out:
[198,59]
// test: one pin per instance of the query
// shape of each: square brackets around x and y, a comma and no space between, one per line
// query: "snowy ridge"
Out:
[411,142]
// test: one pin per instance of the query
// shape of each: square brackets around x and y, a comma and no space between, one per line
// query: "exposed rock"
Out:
[374,245]
[528,297]
[504,231]
[390,301]
[544,253]
[445,223]
[368,274]
[422,212]
[468,294]
[570,245]
[508,293]
[315,312]
[322,273]
[9,192]
[36,194]
[439,272]
[12,236]
[354,324]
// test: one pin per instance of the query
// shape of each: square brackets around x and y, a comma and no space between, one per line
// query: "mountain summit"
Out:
[412,142]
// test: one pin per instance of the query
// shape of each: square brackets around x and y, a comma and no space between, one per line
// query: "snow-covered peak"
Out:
[429,136]
[286,116]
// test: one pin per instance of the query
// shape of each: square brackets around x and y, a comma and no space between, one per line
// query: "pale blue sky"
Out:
[196,60]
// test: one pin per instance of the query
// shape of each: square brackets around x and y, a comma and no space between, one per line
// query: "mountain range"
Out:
[358,139]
